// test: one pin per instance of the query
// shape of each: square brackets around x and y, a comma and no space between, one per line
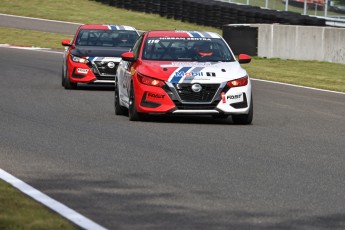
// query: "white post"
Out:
[286,5]
[326,8]
[305,7]
[266,4]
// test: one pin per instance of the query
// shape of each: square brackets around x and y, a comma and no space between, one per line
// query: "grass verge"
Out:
[30,38]
[322,75]
[17,211]
[88,11]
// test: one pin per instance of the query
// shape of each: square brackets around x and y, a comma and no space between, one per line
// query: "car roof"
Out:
[183,34]
[106,27]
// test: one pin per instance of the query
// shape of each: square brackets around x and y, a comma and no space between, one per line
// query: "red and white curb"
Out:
[54,205]
[32,48]
[23,47]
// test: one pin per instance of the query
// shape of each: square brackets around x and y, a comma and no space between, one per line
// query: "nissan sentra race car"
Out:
[94,53]
[183,72]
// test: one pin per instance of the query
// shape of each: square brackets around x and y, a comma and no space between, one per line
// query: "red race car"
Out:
[183,72]
[94,53]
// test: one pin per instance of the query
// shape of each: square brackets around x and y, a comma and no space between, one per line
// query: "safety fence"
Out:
[215,13]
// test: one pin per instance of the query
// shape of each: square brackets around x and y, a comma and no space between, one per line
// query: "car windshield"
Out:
[106,38]
[187,49]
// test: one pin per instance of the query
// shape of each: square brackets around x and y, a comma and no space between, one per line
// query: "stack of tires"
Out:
[214,13]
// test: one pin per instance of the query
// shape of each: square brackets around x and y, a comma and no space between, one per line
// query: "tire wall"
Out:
[281,34]
[214,13]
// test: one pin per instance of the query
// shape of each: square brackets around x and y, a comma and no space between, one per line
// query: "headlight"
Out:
[79,59]
[238,82]
[150,81]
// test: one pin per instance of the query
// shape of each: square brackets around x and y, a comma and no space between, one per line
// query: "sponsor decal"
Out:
[153,41]
[195,79]
[232,97]
[82,71]
[191,64]
[188,74]
[179,74]
[210,74]
[156,95]
[179,38]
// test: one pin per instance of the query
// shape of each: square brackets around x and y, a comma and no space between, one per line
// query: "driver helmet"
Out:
[204,49]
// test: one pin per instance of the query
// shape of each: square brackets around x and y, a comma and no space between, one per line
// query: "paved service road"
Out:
[286,171]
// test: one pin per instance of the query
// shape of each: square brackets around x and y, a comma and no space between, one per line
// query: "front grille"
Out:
[103,72]
[105,78]
[104,69]
[205,95]
[182,106]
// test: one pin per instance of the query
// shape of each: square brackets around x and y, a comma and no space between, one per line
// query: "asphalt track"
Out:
[44,25]
[286,171]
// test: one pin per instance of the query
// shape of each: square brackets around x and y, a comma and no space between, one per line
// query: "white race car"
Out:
[183,72]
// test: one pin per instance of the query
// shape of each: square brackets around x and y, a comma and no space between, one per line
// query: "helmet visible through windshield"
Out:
[107,38]
[187,49]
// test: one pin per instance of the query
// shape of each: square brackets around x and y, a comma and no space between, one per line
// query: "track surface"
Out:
[28,23]
[283,172]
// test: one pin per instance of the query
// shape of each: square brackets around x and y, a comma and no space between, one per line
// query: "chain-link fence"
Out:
[325,8]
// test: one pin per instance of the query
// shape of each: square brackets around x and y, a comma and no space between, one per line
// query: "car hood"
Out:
[96,51]
[192,72]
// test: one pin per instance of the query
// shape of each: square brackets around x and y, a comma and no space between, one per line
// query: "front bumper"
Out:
[180,99]
[93,72]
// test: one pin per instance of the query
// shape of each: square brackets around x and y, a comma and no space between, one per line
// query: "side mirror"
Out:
[66,42]
[244,58]
[128,56]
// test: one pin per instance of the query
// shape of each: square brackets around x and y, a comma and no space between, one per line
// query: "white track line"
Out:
[298,86]
[40,19]
[48,50]
[56,206]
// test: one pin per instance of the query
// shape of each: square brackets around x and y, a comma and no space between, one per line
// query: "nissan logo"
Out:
[196,88]
[111,65]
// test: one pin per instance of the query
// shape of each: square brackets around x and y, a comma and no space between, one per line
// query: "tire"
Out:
[62,78]
[133,114]
[244,119]
[67,83]
[119,110]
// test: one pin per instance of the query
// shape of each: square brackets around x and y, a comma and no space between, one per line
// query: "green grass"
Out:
[86,11]
[323,75]
[17,211]
[18,37]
